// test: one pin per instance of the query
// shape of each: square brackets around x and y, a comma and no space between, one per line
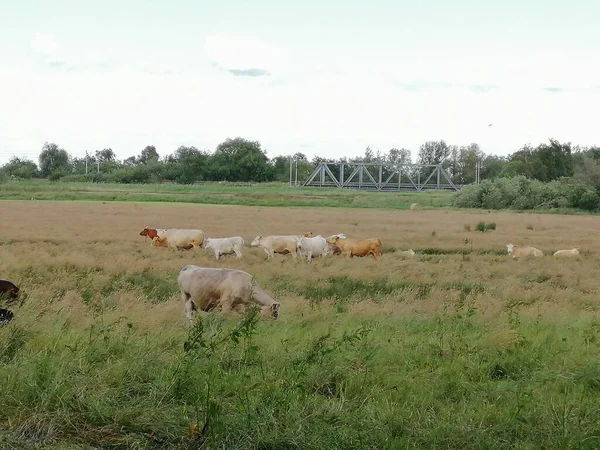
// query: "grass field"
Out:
[461,347]
[261,194]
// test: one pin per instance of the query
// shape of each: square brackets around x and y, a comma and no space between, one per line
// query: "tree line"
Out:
[242,160]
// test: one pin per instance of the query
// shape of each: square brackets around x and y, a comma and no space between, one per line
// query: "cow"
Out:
[8,290]
[313,246]
[225,246]
[407,253]
[277,244]
[334,249]
[568,253]
[6,315]
[176,238]
[516,251]
[358,247]
[153,233]
[206,288]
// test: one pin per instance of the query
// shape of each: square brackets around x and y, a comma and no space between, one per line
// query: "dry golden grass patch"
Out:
[74,257]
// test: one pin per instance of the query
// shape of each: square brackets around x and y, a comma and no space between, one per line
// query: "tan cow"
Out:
[277,244]
[517,251]
[206,288]
[567,253]
[357,247]
[410,253]
[176,238]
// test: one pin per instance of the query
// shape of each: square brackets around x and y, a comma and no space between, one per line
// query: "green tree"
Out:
[149,155]
[54,160]
[433,152]
[241,160]
[20,168]
[190,164]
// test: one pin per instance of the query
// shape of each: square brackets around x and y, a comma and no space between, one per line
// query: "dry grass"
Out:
[105,237]
[78,263]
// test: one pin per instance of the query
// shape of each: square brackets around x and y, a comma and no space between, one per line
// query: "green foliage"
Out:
[20,168]
[522,193]
[54,160]
[483,226]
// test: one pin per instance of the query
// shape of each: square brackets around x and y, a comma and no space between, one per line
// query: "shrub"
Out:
[524,194]
[480,227]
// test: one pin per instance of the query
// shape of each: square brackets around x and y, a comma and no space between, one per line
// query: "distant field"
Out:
[459,348]
[266,194]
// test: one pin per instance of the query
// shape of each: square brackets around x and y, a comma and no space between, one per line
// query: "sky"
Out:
[320,78]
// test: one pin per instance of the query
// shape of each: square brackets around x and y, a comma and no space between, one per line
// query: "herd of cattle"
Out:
[205,289]
[307,245]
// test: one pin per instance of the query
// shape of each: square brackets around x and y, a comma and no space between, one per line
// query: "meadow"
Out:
[248,194]
[461,347]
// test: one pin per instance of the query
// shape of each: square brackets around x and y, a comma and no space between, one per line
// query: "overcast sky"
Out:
[318,77]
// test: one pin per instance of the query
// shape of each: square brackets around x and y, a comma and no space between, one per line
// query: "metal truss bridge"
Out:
[381,176]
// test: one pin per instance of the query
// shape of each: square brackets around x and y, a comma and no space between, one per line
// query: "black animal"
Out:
[6,315]
[8,290]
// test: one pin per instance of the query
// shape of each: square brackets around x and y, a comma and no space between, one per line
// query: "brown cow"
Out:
[357,247]
[8,290]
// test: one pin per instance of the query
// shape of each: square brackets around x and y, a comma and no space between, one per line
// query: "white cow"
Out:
[517,251]
[277,244]
[225,246]
[206,288]
[569,253]
[313,246]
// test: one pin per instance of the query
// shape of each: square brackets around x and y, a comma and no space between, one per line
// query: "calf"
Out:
[225,246]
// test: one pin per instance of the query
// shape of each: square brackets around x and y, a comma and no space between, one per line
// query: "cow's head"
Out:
[256,241]
[510,248]
[309,234]
[144,232]
[333,239]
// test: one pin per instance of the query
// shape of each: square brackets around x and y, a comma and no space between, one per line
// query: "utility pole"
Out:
[296,171]
[291,168]
[98,161]
[86,161]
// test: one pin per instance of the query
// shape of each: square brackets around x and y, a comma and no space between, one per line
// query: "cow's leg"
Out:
[217,254]
[238,252]
[190,307]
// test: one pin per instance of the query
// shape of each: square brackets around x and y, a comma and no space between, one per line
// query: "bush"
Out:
[522,193]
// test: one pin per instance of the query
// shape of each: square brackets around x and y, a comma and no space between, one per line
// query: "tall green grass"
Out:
[337,383]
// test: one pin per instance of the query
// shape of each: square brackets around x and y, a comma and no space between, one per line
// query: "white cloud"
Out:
[338,107]
[239,53]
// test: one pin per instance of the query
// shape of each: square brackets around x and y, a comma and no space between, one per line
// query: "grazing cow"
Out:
[568,253]
[206,288]
[313,246]
[176,238]
[225,246]
[277,244]
[517,251]
[8,290]
[358,247]
[6,315]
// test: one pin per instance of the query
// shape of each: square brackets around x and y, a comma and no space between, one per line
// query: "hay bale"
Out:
[415,207]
